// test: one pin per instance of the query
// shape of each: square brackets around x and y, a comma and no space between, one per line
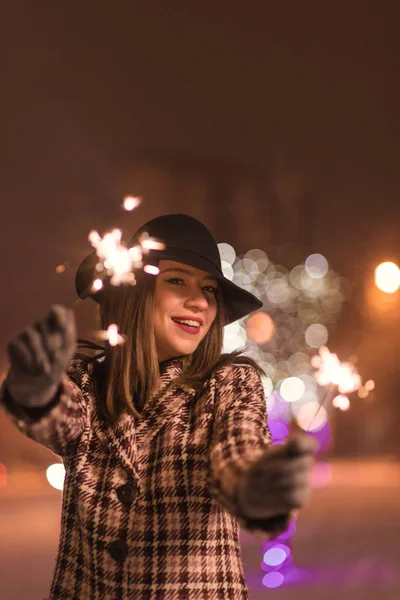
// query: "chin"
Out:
[184,349]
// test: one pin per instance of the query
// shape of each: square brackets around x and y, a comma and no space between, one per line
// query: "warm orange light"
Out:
[370,385]
[260,328]
[363,392]
[341,402]
[3,475]
[387,277]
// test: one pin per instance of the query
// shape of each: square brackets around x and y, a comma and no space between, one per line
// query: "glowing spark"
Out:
[117,261]
[97,285]
[114,257]
[341,402]
[151,269]
[60,269]
[331,371]
[131,202]
[112,336]
[148,243]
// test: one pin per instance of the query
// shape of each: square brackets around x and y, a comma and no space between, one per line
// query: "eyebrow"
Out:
[188,273]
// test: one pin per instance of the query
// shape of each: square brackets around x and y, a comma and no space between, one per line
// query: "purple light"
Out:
[276,555]
[273,579]
[288,533]
[279,430]
[280,408]
[323,437]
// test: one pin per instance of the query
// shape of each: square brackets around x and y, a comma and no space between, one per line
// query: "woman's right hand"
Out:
[39,356]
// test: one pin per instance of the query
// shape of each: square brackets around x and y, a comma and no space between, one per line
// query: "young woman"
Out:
[164,440]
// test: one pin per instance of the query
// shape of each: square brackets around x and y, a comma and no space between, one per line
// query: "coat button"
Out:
[127,493]
[118,550]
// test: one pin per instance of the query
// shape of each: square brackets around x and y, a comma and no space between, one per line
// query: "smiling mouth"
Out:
[187,325]
[188,322]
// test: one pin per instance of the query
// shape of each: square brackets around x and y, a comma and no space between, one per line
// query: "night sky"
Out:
[88,86]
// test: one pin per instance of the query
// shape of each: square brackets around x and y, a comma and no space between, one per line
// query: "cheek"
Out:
[212,317]
[214,309]
[165,304]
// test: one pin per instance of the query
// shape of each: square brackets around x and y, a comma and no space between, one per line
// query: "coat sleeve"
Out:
[63,419]
[240,436]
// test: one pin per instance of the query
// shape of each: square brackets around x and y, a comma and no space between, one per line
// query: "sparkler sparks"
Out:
[332,373]
[329,370]
[118,261]
[131,202]
[112,335]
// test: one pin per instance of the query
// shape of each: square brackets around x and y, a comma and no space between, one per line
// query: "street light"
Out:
[387,277]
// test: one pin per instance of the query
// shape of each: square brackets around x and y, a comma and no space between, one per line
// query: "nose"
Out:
[196,299]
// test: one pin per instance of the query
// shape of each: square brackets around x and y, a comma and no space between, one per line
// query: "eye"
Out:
[210,289]
[175,280]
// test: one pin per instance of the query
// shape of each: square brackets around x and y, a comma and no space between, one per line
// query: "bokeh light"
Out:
[276,555]
[260,328]
[279,430]
[316,335]
[227,253]
[55,475]
[227,269]
[273,579]
[312,416]
[387,277]
[292,389]
[370,385]
[316,266]
[268,386]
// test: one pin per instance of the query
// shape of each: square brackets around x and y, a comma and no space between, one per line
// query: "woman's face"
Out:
[185,307]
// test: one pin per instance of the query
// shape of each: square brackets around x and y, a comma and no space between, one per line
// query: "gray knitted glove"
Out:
[280,480]
[39,356]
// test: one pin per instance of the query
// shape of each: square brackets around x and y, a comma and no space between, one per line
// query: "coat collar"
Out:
[129,435]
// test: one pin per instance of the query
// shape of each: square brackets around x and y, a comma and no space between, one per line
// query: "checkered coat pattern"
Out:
[150,505]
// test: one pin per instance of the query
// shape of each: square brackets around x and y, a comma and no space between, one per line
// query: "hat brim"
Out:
[238,302]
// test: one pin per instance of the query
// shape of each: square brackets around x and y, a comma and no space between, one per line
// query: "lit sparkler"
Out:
[334,374]
[118,261]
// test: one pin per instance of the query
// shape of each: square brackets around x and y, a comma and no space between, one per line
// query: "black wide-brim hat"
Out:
[186,241]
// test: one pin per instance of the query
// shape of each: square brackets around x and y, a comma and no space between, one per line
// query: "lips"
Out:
[194,321]
[186,327]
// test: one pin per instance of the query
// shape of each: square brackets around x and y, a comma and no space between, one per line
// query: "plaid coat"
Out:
[150,505]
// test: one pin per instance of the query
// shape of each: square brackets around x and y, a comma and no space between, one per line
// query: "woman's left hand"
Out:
[279,481]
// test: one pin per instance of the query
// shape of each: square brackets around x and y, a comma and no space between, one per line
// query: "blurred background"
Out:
[277,125]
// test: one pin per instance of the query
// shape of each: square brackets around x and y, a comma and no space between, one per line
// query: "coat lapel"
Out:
[129,435]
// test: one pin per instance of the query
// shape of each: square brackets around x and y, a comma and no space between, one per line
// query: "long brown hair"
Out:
[130,372]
